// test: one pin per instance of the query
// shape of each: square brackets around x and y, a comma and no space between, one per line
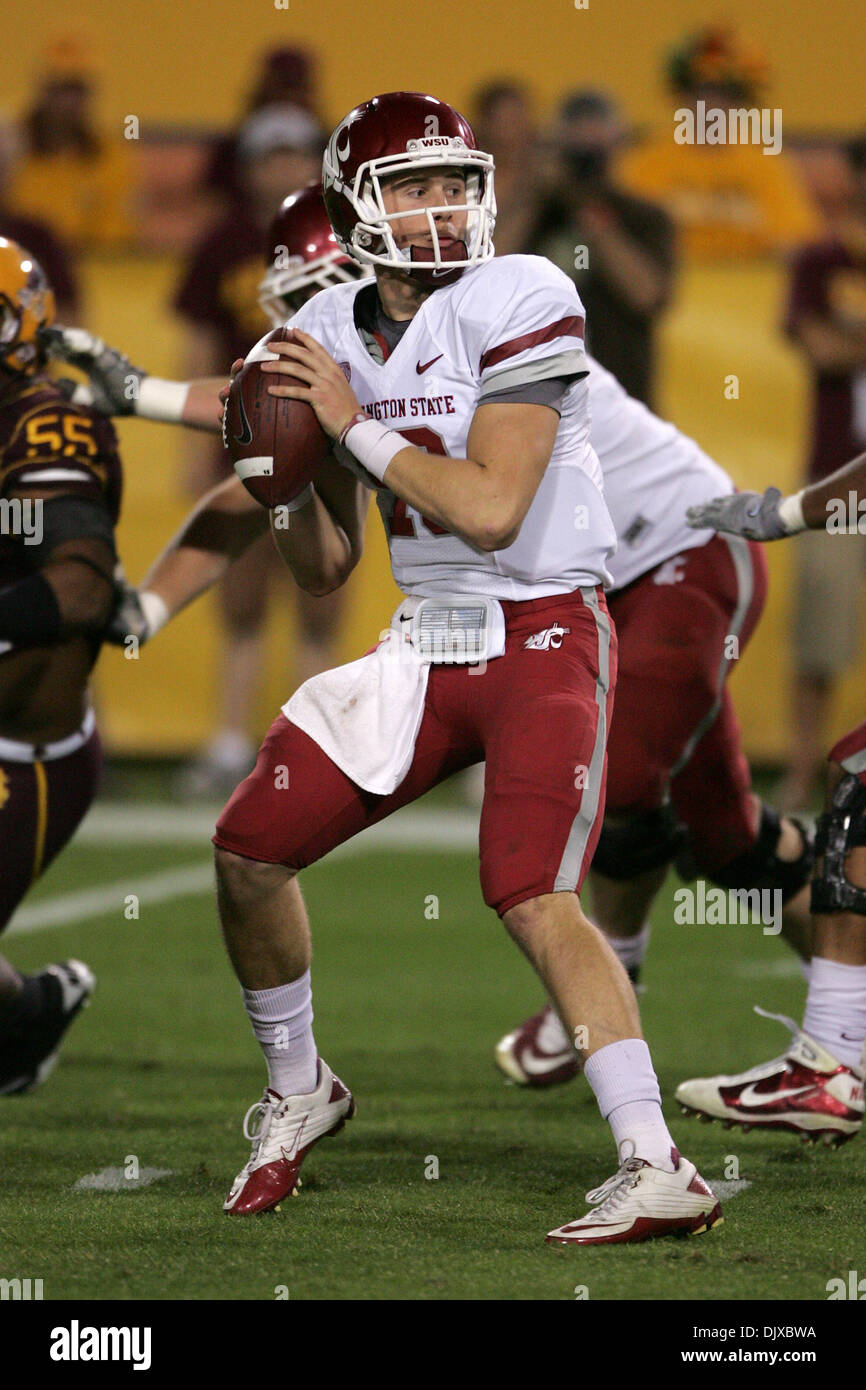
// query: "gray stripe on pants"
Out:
[741,558]
[575,847]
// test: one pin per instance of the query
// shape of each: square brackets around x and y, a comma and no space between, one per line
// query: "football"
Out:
[276,445]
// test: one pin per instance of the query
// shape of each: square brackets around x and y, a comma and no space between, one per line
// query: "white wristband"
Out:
[374,446]
[791,513]
[155,612]
[161,400]
[297,502]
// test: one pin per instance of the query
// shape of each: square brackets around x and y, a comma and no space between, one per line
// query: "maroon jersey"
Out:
[829,282]
[47,444]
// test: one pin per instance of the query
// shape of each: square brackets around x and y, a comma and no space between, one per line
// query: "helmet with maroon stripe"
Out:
[400,134]
[302,255]
[26,309]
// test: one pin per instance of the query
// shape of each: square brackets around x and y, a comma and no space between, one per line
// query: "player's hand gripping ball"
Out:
[277,444]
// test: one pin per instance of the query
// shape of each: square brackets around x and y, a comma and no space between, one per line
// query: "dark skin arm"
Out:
[43,690]
[851,477]
[81,574]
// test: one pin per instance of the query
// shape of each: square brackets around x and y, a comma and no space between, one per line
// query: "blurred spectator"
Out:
[825,167]
[827,319]
[279,149]
[504,128]
[71,176]
[285,77]
[37,238]
[728,199]
[618,249]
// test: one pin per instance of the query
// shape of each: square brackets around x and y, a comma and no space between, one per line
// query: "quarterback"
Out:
[202,548]
[499,538]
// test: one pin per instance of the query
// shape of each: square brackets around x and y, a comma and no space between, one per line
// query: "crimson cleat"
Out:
[539,1052]
[286,1128]
[641,1202]
[807,1091]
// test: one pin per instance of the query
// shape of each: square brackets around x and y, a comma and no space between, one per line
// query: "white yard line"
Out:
[430,831]
[86,903]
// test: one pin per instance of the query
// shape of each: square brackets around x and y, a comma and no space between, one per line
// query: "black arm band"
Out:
[29,613]
[71,518]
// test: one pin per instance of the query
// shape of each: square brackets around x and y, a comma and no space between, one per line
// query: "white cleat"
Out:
[286,1128]
[807,1091]
[641,1202]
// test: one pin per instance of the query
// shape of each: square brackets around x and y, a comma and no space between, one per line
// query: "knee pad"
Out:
[760,867]
[840,829]
[646,840]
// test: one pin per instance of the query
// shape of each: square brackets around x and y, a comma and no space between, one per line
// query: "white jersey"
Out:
[652,473]
[512,321]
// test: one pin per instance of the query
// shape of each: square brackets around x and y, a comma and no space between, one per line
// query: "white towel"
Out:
[366,715]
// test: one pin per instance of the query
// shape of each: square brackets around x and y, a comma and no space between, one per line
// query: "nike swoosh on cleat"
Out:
[750,1097]
[539,1066]
[293,1153]
[247,436]
[421,367]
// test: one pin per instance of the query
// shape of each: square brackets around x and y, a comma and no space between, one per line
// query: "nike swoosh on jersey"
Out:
[247,436]
[421,367]
[750,1097]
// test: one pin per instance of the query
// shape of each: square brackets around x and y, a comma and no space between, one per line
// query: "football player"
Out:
[668,580]
[816,1088]
[499,536]
[60,487]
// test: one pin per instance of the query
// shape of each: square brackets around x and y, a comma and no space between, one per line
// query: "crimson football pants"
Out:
[681,628]
[538,715]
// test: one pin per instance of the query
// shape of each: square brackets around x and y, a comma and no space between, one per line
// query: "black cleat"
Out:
[29,1047]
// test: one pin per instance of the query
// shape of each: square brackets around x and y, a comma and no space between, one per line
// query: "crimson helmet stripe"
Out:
[571,327]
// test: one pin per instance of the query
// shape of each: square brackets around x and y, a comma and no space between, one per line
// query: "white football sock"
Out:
[631,950]
[552,1036]
[836,1008]
[624,1081]
[282,1020]
[805,968]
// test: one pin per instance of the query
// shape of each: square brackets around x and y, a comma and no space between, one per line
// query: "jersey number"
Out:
[405,520]
[65,436]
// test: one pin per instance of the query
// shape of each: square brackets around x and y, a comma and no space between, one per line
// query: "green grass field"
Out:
[162,1067]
